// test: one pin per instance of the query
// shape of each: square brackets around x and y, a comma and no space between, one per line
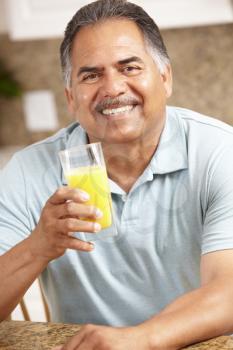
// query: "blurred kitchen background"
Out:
[197,33]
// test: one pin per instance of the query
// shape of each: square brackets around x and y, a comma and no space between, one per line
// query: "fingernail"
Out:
[92,246]
[97,227]
[85,196]
[98,213]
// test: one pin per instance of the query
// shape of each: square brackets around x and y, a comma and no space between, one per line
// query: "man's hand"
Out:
[62,215]
[92,337]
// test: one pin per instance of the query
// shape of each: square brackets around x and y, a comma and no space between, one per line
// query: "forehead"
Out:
[110,39]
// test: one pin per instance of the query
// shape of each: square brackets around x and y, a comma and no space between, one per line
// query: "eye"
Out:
[131,70]
[90,77]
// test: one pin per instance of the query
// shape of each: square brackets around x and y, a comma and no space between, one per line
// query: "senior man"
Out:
[166,279]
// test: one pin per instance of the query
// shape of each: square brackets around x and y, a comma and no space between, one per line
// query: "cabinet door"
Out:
[188,13]
[38,19]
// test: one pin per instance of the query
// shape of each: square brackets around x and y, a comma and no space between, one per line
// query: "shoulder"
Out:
[54,143]
[198,123]
[44,153]
[38,164]
[208,142]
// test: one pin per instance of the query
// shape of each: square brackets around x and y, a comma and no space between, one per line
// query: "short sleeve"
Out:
[218,217]
[14,218]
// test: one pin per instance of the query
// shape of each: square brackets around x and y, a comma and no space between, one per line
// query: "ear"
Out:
[70,100]
[167,80]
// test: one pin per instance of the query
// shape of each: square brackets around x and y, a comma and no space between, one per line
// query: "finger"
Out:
[85,346]
[60,347]
[68,225]
[67,193]
[76,210]
[77,244]
[75,342]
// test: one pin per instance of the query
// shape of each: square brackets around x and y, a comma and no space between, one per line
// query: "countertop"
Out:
[20,335]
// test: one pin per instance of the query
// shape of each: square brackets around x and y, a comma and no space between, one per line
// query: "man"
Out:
[166,279]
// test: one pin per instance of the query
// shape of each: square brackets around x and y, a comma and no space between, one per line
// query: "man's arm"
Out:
[204,313]
[21,265]
[18,269]
[201,314]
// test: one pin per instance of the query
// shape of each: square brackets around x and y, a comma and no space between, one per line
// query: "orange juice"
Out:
[94,181]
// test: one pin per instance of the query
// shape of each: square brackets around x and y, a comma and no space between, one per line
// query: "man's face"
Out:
[117,93]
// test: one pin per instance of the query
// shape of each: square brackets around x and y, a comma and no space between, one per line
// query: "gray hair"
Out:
[106,9]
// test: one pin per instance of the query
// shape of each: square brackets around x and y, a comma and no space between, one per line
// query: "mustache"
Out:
[119,101]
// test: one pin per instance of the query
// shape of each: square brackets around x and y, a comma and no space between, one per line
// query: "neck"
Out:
[125,162]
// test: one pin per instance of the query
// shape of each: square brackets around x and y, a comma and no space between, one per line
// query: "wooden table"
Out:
[20,335]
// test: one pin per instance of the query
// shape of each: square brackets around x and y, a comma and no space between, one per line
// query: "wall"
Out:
[3,21]
[203,69]
[202,66]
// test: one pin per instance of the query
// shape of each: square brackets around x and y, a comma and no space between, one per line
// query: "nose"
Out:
[113,85]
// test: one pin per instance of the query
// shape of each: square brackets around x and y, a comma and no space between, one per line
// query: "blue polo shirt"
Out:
[180,208]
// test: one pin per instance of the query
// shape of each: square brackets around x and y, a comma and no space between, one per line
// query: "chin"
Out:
[121,138]
[118,132]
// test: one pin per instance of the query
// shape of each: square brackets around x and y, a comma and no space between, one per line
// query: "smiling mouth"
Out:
[118,110]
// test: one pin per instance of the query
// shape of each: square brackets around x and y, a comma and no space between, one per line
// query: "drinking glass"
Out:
[84,168]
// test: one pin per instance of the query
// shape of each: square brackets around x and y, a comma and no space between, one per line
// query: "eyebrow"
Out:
[130,59]
[89,69]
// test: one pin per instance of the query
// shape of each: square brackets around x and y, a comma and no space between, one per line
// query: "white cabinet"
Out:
[38,19]
[188,13]
[32,19]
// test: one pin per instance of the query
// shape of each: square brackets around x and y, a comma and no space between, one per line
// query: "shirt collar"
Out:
[77,137]
[171,154]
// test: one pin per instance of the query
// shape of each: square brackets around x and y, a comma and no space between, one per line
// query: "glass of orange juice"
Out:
[84,168]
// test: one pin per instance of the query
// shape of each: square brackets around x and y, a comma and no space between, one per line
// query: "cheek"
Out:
[82,101]
[155,90]
[82,98]
[85,97]
[154,96]
[146,84]
[147,89]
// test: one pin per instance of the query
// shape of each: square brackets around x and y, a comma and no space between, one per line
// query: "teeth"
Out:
[117,110]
